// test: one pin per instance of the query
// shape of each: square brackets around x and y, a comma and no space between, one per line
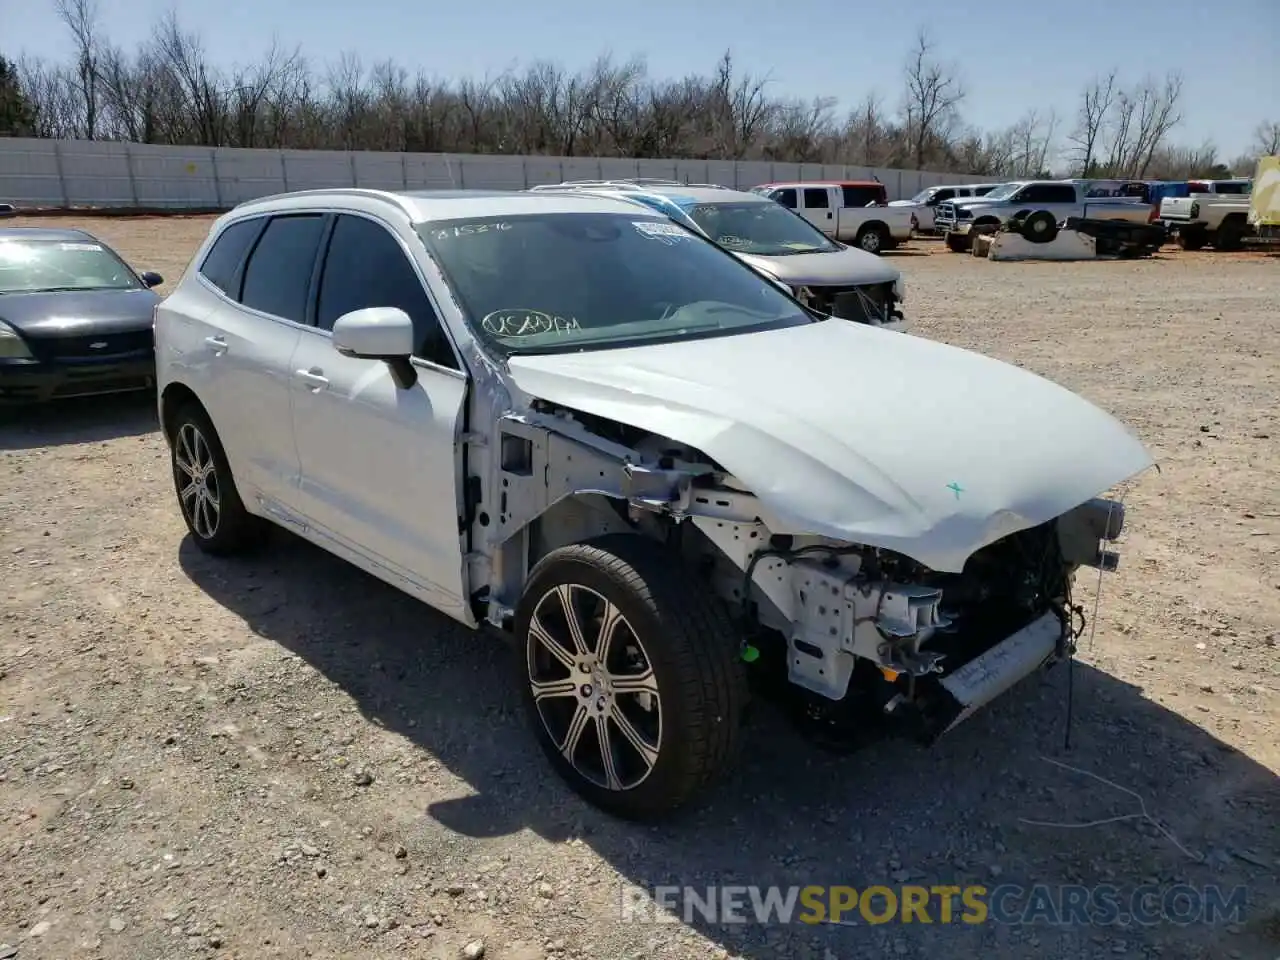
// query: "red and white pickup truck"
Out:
[854,212]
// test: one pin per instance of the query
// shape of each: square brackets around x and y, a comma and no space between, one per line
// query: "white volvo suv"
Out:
[571,420]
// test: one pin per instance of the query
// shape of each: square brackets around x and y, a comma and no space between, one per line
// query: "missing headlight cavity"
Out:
[517,455]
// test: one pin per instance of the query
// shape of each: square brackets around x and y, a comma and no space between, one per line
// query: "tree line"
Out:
[168,91]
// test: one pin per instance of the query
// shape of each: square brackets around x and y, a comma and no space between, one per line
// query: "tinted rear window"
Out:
[278,276]
[859,196]
[221,265]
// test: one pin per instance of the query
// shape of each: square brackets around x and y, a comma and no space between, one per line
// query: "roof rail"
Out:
[390,196]
[623,183]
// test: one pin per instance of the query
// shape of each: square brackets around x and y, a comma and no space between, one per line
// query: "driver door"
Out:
[380,470]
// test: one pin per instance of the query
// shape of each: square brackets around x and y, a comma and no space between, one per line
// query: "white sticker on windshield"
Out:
[81,247]
[468,230]
[668,233]
[510,324]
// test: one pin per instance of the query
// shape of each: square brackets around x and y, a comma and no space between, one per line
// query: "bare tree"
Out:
[81,18]
[1158,113]
[1095,106]
[934,92]
[1029,142]
[1266,138]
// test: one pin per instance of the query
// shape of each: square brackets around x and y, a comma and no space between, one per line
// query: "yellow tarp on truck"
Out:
[1264,204]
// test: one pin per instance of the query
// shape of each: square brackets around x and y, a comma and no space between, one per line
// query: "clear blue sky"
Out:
[1012,55]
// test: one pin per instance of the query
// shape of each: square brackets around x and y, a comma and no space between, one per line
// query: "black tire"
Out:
[1229,235]
[683,634]
[233,529]
[1194,240]
[873,238]
[959,242]
[1040,227]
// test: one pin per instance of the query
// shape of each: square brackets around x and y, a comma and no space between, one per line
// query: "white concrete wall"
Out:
[81,173]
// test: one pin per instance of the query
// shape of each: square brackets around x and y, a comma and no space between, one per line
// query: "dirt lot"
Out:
[282,757]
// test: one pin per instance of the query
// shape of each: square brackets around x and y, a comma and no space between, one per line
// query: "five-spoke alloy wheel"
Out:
[630,674]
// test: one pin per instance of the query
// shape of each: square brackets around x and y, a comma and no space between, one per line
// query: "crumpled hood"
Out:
[844,267]
[860,434]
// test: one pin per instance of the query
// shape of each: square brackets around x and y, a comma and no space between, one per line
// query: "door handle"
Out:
[218,343]
[314,377]
[828,214]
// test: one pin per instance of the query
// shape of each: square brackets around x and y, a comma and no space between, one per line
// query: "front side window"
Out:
[760,228]
[277,278]
[46,266]
[563,282]
[365,266]
[787,197]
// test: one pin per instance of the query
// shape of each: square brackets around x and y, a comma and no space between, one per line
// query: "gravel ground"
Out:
[282,757]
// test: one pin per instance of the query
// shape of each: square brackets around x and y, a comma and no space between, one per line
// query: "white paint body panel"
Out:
[1066,245]
[378,464]
[788,413]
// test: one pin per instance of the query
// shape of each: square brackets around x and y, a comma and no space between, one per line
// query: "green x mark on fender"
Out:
[955,488]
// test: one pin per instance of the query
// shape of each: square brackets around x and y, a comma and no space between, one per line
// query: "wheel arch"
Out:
[174,397]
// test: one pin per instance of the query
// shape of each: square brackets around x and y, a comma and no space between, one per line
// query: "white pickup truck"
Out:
[1215,214]
[925,203]
[959,220]
[854,212]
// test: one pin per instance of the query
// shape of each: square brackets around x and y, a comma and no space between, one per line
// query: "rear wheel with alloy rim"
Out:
[631,675]
[207,494]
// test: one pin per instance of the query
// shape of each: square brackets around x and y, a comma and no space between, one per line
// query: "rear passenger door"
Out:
[379,462]
[817,208]
[263,277]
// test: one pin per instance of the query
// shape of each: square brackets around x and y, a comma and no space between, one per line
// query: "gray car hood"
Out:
[861,434]
[79,312]
[835,268]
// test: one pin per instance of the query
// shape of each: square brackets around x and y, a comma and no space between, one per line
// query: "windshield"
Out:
[768,229]
[562,282]
[1004,191]
[924,194]
[41,266]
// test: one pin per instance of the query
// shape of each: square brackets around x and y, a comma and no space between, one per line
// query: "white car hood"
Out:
[860,434]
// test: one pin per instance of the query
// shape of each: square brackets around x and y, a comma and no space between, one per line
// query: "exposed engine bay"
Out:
[851,636]
[874,304]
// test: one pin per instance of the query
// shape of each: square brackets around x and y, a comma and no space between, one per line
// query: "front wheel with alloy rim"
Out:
[630,673]
[207,494]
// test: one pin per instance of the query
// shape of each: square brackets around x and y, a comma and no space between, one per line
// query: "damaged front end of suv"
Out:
[681,480]
[857,639]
